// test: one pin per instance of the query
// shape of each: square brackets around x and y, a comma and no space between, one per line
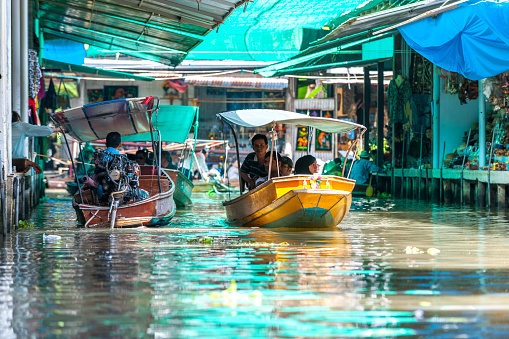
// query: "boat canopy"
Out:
[264,117]
[94,121]
[174,122]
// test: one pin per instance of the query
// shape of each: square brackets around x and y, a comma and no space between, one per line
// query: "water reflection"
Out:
[393,269]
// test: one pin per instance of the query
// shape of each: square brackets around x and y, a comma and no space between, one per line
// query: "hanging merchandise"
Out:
[399,94]
[468,90]
[63,99]
[34,74]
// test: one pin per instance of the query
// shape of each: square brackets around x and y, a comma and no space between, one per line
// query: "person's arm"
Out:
[250,182]
[36,131]
[374,168]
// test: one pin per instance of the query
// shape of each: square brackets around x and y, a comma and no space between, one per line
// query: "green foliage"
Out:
[24,224]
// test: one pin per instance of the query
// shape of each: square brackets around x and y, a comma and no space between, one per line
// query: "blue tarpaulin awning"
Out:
[472,40]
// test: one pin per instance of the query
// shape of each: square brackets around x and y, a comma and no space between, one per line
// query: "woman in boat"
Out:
[253,166]
[306,165]
[275,169]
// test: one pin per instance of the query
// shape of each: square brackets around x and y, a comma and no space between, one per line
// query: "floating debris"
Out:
[413,250]
[433,251]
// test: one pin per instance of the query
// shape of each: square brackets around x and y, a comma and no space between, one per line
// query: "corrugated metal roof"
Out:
[164,30]
[241,82]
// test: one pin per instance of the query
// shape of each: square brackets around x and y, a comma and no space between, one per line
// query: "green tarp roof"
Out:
[345,43]
[274,30]
[174,122]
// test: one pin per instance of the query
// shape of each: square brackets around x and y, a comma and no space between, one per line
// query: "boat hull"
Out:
[283,203]
[157,210]
[183,188]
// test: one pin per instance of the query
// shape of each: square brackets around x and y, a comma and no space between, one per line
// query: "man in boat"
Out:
[253,166]
[113,143]
[166,161]
[275,169]
[286,166]
[362,168]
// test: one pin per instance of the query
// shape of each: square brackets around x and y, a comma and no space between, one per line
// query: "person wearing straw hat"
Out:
[362,168]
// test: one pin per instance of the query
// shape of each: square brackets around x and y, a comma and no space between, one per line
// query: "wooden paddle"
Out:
[369,190]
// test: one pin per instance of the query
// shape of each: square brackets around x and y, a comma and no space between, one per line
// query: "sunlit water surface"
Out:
[393,269]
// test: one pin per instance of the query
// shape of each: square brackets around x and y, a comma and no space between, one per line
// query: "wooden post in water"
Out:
[501,196]
[465,154]
[441,175]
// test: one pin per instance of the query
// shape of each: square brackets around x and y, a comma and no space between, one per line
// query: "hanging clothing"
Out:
[35,74]
[398,96]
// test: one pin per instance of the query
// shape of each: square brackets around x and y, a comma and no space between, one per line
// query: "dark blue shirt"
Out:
[252,167]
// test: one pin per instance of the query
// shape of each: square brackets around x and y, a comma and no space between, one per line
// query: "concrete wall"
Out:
[455,120]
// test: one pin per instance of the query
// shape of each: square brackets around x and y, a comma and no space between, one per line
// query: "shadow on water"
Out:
[392,269]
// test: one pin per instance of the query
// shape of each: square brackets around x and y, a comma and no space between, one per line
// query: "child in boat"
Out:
[275,170]
[306,165]
[286,166]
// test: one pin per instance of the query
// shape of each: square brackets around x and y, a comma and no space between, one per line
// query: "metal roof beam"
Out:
[162,11]
[99,24]
[172,50]
[186,10]
[177,19]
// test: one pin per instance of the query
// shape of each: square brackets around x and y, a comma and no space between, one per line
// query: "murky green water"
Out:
[395,269]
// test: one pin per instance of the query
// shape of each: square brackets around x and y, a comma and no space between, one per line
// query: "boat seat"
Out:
[150,184]
[148,170]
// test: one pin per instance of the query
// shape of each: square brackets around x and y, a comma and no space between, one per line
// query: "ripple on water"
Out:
[395,268]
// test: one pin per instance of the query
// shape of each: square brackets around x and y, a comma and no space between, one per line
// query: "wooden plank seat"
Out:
[150,184]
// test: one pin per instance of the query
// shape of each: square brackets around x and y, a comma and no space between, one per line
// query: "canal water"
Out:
[393,269]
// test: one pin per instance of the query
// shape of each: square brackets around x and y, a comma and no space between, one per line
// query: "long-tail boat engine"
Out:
[117,179]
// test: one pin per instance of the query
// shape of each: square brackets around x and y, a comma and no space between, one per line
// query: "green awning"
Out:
[174,122]
[275,30]
[72,68]
[348,31]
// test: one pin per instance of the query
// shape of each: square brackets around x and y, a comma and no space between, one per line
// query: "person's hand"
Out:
[33,165]
[251,184]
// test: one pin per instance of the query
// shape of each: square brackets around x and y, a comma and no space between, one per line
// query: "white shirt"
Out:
[22,130]
[201,161]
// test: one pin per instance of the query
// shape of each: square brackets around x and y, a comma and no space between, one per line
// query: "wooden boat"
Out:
[284,203]
[157,210]
[127,117]
[290,202]
[183,187]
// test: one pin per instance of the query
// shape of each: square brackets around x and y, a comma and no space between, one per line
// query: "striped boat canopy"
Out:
[95,121]
[264,117]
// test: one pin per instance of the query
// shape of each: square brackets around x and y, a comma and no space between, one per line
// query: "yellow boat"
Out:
[293,202]
[284,203]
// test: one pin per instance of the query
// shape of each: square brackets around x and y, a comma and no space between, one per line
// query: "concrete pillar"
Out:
[501,196]
[23,57]
[5,89]
[290,106]
[15,50]
[367,106]
[481,194]
[436,119]
[467,194]
[482,126]
[380,117]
